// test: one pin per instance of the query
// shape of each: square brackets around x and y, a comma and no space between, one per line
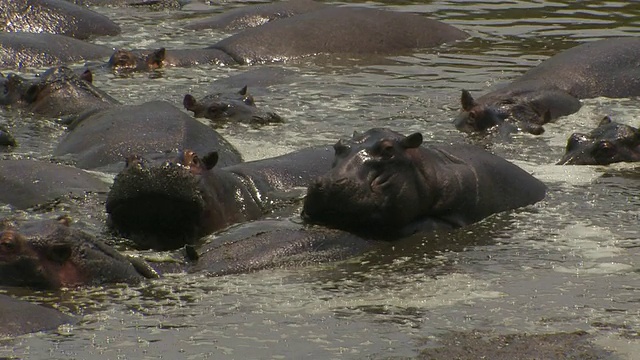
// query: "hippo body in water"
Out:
[54,17]
[19,317]
[50,254]
[103,139]
[255,15]
[387,185]
[147,60]
[609,68]
[609,143]
[18,50]
[166,206]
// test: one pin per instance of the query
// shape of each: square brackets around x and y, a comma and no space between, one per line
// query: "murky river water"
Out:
[571,262]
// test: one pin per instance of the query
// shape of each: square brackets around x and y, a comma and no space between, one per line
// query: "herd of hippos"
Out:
[363,192]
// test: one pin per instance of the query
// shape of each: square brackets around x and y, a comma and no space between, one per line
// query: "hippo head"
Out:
[225,107]
[125,60]
[48,254]
[372,186]
[12,87]
[160,206]
[609,143]
[476,117]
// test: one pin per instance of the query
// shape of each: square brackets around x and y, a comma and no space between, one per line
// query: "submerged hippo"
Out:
[18,50]
[167,205]
[146,60]
[55,17]
[387,185]
[337,30]
[50,254]
[156,130]
[552,89]
[6,139]
[609,143]
[19,317]
[235,107]
[255,15]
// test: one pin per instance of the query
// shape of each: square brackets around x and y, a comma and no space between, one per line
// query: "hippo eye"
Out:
[472,117]
[605,150]
[7,246]
[387,151]
[248,100]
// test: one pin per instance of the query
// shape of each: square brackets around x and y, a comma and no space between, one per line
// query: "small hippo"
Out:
[553,88]
[387,185]
[147,60]
[6,140]
[18,50]
[255,15]
[236,107]
[19,317]
[102,140]
[54,17]
[50,254]
[609,143]
[168,205]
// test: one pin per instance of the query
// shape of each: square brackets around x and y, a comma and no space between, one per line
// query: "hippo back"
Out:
[18,317]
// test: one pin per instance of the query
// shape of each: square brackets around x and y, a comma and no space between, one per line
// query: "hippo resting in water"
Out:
[387,185]
[166,205]
[55,17]
[18,317]
[49,254]
[552,89]
[146,60]
[609,143]
[101,140]
[18,50]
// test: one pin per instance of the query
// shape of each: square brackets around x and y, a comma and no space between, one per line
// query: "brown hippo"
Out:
[552,89]
[146,60]
[171,204]
[49,254]
[386,185]
[609,143]
[19,317]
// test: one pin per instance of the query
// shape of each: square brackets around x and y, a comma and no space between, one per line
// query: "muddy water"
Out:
[569,263]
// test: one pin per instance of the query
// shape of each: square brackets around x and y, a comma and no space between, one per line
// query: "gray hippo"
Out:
[337,30]
[387,185]
[6,139]
[19,317]
[552,89]
[255,15]
[609,143]
[235,107]
[28,183]
[18,50]
[51,254]
[147,60]
[55,17]
[168,205]
[101,140]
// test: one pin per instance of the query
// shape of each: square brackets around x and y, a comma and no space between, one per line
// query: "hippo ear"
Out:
[466,100]
[189,102]
[87,76]
[210,160]
[156,58]
[605,120]
[412,141]
[243,91]
[64,220]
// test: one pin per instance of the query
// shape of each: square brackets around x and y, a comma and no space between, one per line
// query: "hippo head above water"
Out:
[48,254]
[125,60]
[609,143]
[12,87]
[230,107]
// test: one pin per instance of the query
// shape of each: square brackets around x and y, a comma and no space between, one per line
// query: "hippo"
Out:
[236,107]
[255,15]
[151,4]
[337,30]
[554,88]
[13,89]
[26,183]
[169,205]
[146,60]
[6,139]
[609,143]
[51,254]
[103,139]
[18,50]
[55,17]
[19,317]
[386,185]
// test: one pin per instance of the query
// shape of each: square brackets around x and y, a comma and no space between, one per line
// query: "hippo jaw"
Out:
[159,207]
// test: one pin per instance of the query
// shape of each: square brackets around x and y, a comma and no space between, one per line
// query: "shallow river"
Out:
[568,263]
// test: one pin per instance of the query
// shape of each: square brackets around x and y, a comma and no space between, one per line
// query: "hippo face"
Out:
[126,61]
[609,143]
[51,255]
[160,204]
[373,185]
[12,89]
[476,117]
